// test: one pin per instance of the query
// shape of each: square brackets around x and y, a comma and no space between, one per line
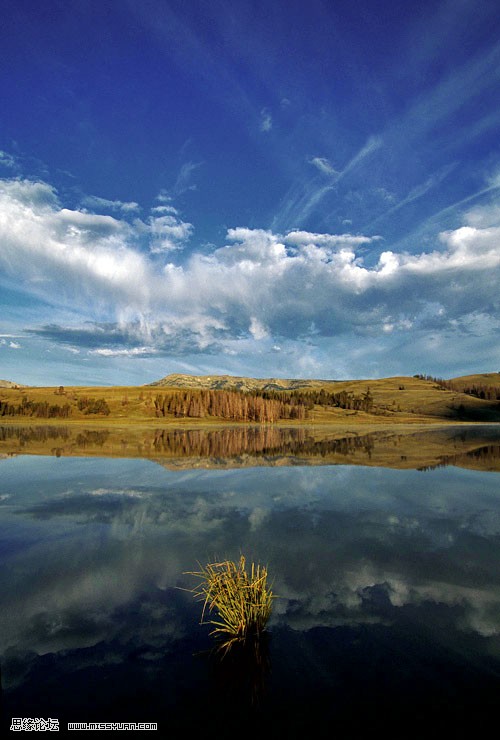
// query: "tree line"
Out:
[258,406]
[37,409]
[479,390]
[230,405]
[342,399]
[46,410]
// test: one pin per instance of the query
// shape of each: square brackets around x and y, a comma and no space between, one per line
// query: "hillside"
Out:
[394,397]
[246,384]
[237,383]
[9,384]
[215,399]
[479,379]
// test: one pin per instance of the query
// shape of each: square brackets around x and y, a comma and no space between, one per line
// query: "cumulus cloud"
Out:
[257,329]
[62,253]
[11,344]
[168,232]
[259,285]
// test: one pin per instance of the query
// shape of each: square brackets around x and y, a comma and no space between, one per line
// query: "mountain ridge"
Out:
[235,382]
[244,383]
[248,383]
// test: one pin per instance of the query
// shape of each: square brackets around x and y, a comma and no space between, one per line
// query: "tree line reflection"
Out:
[262,444]
[256,441]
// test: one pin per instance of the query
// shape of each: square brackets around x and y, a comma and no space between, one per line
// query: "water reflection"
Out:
[239,675]
[388,585]
[244,446]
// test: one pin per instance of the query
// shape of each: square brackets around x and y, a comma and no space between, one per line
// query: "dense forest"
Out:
[230,405]
[258,406]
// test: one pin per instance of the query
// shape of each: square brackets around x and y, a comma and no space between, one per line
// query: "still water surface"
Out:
[388,581]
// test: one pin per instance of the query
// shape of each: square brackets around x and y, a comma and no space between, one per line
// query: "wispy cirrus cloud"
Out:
[307,195]
[418,191]
[266,121]
[8,161]
[462,86]
[324,166]
[95,202]
[184,182]
[132,352]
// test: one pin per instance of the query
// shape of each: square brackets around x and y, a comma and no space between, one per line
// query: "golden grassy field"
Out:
[414,423]
[398,399]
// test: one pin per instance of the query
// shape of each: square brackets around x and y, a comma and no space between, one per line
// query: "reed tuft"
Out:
[241,599]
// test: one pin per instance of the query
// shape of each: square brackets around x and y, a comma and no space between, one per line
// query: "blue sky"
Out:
[276,189]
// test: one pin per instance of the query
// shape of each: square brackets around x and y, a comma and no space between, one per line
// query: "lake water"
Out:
[388,586]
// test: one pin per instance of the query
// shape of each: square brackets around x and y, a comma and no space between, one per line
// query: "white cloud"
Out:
[164,209]
[66,255]
[416,192]
[168,232]
[304,197]
[93,201]
[323,165]
[7,160]
[250,246]
[483,216]
[134,352]
[330,240]
[72,350]
[163,197]
[257,329]
[372,144]
[11,344]
[29,192]
[183,182]
[266,121]
[260,286]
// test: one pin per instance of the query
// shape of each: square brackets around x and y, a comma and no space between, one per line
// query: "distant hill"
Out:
[479,379]
[9,384]
[232,382]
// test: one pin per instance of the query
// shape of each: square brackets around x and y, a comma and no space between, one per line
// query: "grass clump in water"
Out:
[241,599]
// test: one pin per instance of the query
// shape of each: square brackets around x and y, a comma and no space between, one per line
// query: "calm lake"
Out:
[387,578]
